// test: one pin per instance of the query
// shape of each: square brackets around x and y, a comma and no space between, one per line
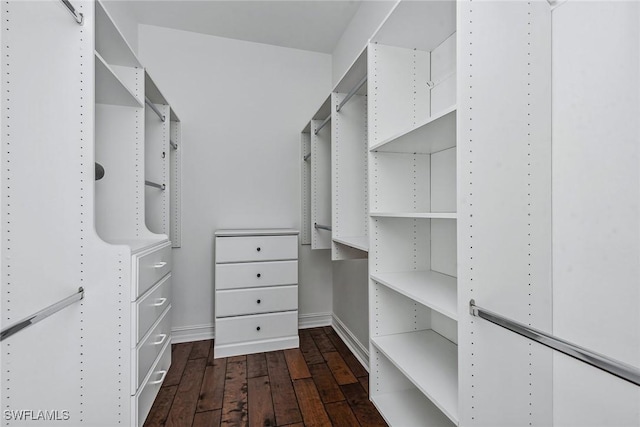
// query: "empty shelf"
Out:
[110,89]
[435,134]
[432,215]
[110,42]
[430,288]
[360,242]
[409,408]
[430,362]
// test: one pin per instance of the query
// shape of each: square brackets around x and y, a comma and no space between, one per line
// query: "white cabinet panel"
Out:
[256,274]
[253,301]
[256,248]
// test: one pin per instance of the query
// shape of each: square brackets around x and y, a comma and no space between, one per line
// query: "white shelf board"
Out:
[428,215]
[430,362]
[430,288]
[151,90]
[111,43]
[257,232]
[409,408]
[110,89]
[139,245]
[434,134]
[358,242]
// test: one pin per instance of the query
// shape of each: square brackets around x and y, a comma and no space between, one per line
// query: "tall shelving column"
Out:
[320,134]
[413,210]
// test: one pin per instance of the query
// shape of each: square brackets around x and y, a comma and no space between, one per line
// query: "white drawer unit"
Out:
[256,291]
[151,267]
[149,348]
[149,307]
[146,394]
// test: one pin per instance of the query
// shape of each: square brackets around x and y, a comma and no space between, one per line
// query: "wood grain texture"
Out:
[260,403]
[339,368]
[161,406]
[256,365]
[285,404]
[326,384]
[322,341]
[364,382]
[341,414]
[179,356]
[295,362]
[207,419]
[361,406]
[212,390]
[234,403]
[184,404]
[309,348]
[201,349]
[311,405]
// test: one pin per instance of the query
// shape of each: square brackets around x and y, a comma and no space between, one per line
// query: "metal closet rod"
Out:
[154,184]
[154,108]
[307,157]
[324,122]
[40,315]
[173,145]
[322,227]
[607,364]
[351,93]
[79,17]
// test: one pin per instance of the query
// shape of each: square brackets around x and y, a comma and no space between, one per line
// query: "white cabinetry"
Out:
[256,291]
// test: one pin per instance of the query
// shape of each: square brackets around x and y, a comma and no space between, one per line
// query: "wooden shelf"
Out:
[110,42]
[427,215]
[430,362]
[430,288]
[110,89]
[360,242]
[434,134]
[409,408]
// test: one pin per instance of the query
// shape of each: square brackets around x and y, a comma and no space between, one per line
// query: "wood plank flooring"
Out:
[320,384]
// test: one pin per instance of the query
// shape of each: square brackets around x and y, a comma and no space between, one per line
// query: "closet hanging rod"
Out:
[324,122]
[307,157]
[153,184]
[40,315]
[79,17]
[607,364]
[154,108]
[173,145]
[351,93]
[322,227]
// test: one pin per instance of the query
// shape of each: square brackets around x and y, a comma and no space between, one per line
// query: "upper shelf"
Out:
[415,215]
[434,134]
[359,242]
[110,89]
[151,90]
[110,43]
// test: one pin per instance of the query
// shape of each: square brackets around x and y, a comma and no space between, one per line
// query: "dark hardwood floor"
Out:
[320,384]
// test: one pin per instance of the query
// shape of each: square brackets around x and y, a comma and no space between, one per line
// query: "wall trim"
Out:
[357,348]
[182,334]
[314,320]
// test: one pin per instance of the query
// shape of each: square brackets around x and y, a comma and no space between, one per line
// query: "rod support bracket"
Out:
[473,309]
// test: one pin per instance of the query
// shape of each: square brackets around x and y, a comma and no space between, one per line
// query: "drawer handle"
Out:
[159,264]
[258,249]
[159,302]
[258,275]
[258,328]
[162,340]
[164,374]
[258,301]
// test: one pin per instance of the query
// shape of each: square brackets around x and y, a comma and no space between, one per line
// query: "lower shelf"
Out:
[409,408]
[429,361]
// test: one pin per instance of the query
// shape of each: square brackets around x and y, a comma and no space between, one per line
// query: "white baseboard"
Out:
[357,348]
[314,320]
[192,333]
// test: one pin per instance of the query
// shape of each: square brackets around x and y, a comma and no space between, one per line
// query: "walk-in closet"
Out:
[320,213]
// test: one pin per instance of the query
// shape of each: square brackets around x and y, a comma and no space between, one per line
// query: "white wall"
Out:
[242,107]
[364,23]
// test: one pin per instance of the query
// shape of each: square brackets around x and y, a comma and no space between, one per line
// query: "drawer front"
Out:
[256,327]
[256,274]
[256,248]
[152,267]
[253,301]
[143,400]
[148,308]
[150,347]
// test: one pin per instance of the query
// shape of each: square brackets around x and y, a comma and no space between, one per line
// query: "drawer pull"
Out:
[159,302]
[164,374]
[258,249]
[258,328]
[159,264]
[258,301]
[258,275]
[162,340]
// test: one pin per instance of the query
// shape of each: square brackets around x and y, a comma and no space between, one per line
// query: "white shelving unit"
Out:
[320,195]
[175,179]
[413,298]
